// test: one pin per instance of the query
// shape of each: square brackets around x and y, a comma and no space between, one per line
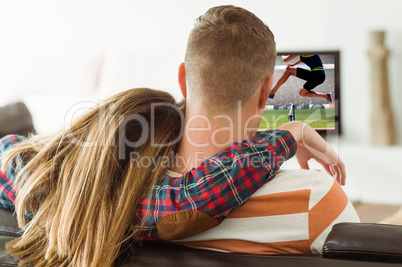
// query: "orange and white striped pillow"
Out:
[291,214]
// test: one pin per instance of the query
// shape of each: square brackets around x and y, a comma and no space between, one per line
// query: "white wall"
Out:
[77,47]
[54,54]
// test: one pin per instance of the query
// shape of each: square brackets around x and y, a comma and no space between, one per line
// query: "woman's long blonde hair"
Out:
[81,184]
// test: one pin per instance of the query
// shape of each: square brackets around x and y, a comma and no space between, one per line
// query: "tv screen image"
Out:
[307,90]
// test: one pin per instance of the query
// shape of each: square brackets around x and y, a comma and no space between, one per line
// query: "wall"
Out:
[39,35]
[54,54]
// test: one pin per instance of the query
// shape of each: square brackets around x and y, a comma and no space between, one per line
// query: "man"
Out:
[226,80]
[313,77]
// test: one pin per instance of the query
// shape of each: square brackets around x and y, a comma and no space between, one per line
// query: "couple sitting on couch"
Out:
[136,168]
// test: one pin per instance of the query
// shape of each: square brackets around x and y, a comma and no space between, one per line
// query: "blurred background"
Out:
[62,57]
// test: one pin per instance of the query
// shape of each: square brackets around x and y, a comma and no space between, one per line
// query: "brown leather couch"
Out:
[15,118]
[165,254]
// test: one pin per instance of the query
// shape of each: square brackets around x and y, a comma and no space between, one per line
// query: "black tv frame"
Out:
[337,79]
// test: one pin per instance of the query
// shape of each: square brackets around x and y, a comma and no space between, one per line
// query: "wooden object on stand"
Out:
[383,130]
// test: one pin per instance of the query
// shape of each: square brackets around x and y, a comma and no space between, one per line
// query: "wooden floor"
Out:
[373,213]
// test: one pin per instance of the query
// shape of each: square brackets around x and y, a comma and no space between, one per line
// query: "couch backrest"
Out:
[8,231]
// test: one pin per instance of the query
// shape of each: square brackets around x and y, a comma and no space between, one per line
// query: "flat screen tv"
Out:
[307,89]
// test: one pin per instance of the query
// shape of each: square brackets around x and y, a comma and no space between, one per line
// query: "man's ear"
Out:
[265,90]
[182,79]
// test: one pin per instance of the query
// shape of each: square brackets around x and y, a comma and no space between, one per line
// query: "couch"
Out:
[157,253]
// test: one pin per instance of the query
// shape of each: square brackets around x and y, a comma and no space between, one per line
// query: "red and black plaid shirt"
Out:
[216,187]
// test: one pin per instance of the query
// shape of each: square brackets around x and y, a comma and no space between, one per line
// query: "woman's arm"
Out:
[312,146]
[222,182]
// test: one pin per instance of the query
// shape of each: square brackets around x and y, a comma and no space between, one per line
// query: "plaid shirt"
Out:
[216,187]
[221,183]
[7,188]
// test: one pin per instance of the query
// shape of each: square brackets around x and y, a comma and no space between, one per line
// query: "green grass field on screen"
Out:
[316,118]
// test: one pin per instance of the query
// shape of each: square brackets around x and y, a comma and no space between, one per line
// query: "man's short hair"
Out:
[229,53]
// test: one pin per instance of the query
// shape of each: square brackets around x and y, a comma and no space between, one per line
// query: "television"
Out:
[304,94]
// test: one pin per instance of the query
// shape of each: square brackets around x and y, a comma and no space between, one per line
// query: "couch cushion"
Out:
[15,118]
[163,254]
[5,259]
[364,241]
[8,231]
[8,224]
[155,253]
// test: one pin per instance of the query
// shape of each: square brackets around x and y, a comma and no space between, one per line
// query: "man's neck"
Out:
[207,134]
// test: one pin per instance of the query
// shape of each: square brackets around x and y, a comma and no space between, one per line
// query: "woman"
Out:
[80,185]
[85,193]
